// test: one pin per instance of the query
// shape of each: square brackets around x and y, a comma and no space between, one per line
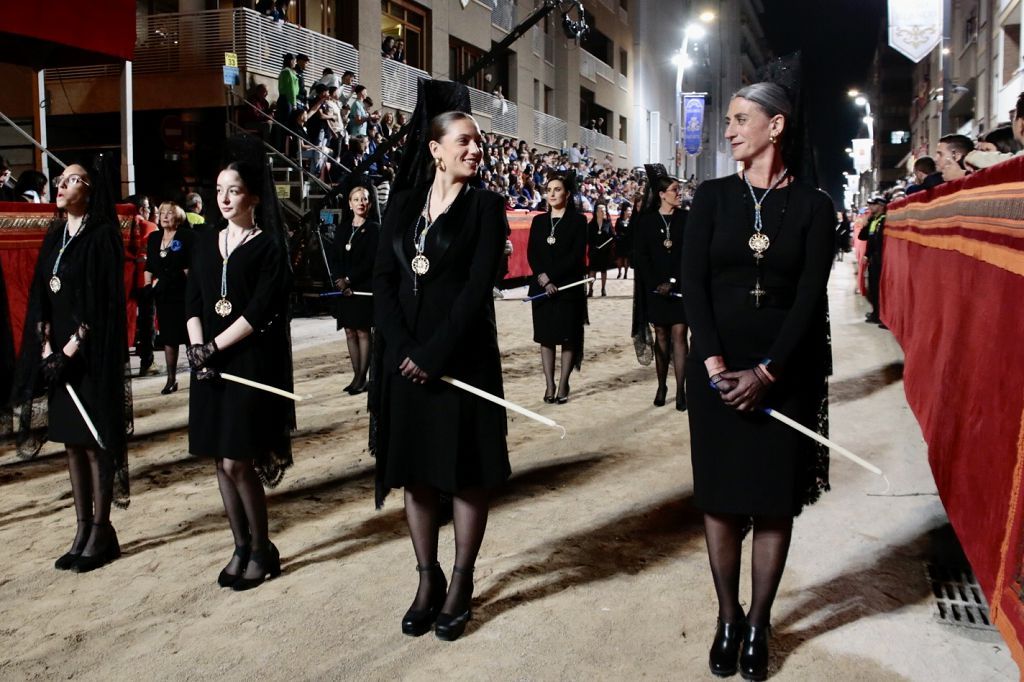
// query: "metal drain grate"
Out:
[958,597]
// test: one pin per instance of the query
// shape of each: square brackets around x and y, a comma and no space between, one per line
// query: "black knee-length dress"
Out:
[226,419]
[168,268]
[748,463]
[434,434]
[354,252]
[656,264]
[559,320]
[599,253]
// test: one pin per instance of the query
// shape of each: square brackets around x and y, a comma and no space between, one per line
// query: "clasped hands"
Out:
[411,371]
[55,362]
[344,286]
[742,390]
[198,355]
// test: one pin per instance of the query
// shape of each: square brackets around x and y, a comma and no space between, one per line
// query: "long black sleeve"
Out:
[697,273]
[387,276]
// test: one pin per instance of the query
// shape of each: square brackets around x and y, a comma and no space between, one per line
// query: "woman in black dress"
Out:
[657,258]
[557,252]
[355,244]
[168,254]
[756,264]
[599,247]
[623,241]
[441,244]
[238,323]
[75,337]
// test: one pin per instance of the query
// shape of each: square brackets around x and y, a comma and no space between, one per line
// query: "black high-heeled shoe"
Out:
[754,653]
[563,399]
[417,622]
[226,579]
[358,388]
[84,564]
[268,560]
[68,559]
[169,388]
[681,401]
[726,648]
[549,398]
[659,396]
[448,627]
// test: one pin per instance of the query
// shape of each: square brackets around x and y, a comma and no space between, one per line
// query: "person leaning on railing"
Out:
[989,152]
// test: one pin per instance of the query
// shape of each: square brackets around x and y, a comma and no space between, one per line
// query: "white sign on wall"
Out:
[915,27]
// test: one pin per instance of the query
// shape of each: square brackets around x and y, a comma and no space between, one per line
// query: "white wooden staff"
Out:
[262,387]
[567,286]
[85,416]
[606,243]
[824,441]
[504,403]
[342,293]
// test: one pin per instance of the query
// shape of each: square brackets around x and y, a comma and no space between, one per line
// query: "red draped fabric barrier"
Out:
[22,227]
[519,222]
[952,287]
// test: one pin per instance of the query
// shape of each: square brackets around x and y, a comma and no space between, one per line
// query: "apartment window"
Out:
[623,127]
[549,100]
[597,43]
[461,56]
[593,116]
[623,59]
[1011,51]
[406,21]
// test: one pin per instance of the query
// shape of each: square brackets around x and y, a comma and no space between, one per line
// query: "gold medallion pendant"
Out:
[420,264]
[348,247]
[667,243]
[551,240]
[759,243]
[222,307]
[55,284]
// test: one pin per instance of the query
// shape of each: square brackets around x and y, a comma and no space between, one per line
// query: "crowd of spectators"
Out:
[334,125]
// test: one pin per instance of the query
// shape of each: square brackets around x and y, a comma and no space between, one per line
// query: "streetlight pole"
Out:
[682,61]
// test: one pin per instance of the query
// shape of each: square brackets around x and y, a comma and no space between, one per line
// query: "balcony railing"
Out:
[622,81]
[549,131]
[543,44]
[398,90]
[588,65]
[504,14]
[596,140]
[196,41]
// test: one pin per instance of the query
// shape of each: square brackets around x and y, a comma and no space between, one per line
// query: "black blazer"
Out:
[565,261]
[356,264]
[448,327]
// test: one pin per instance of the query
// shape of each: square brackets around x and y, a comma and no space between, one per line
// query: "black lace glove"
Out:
[54,365]
[199,354]
[207,374]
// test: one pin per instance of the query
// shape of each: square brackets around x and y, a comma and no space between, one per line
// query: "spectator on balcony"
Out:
[993,151]
[387,48]
[387,124]
[925,175]
[301,61]
[950,155]
[329,79]
[399,54]
[358,117]
[287,94]
[345,93]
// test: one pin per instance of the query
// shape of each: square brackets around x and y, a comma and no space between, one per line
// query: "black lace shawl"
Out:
[100,305]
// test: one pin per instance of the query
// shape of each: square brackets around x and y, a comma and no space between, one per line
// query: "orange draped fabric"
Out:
[952,286]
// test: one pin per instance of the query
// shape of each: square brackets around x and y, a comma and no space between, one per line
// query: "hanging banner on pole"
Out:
[915,27]
[693,121]
[862,154]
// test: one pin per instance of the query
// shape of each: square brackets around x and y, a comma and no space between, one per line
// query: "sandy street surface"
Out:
[594,565]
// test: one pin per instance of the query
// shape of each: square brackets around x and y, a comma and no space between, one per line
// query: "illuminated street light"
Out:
[853,92]
[860,101]
[707,16]
[695,32]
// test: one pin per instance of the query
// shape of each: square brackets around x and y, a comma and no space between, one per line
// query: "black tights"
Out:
[469,509]
[603,274]
[547,361]
[246,505]
[359,351]
[171,355]
[724,534]
[93,494]
[661,353]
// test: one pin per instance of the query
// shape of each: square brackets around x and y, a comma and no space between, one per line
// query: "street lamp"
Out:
[693,31]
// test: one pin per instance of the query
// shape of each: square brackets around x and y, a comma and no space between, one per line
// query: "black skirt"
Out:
[170,316]
[560,320]
[354,312]
[664,311]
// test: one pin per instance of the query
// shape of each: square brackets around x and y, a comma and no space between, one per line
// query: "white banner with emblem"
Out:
[862,154]
[915,27]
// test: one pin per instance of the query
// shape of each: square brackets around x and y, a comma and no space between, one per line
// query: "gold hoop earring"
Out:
[439,162]
[772,138]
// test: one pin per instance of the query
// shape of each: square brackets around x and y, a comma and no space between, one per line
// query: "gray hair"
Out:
[772,98]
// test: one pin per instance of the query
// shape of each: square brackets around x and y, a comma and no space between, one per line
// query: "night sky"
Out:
[838,39]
